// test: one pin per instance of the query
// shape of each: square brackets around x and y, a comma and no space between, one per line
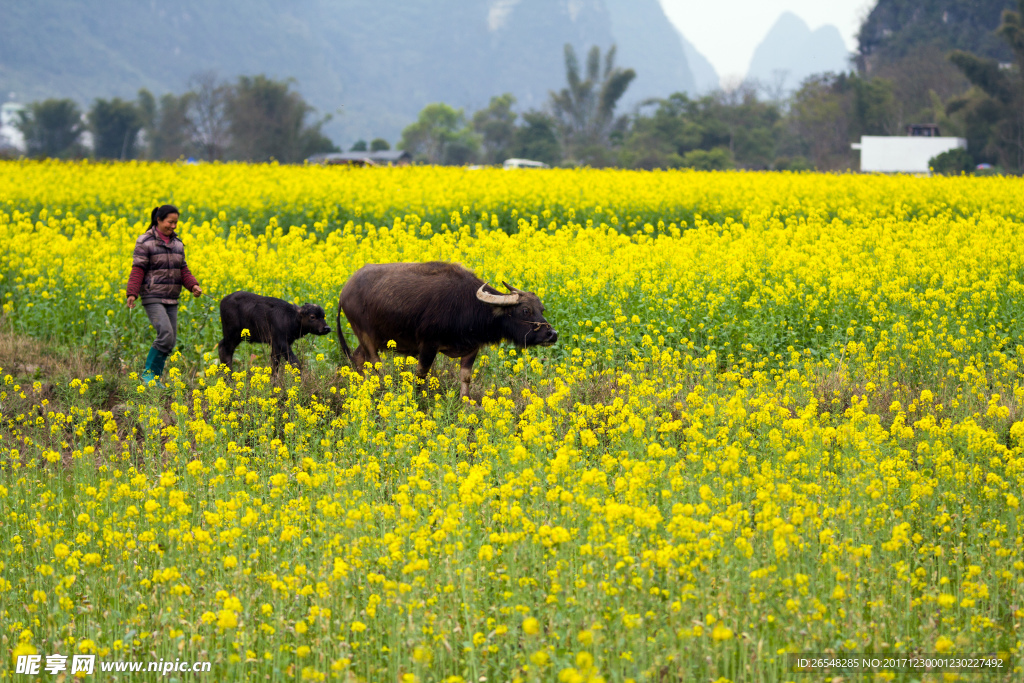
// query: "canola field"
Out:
[784,415]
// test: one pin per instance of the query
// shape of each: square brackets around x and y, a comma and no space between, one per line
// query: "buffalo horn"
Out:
[510,287]
[496,299]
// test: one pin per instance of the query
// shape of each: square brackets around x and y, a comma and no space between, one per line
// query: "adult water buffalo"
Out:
[269,321]
[427,308]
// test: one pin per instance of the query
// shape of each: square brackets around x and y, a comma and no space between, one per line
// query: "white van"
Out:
[524,163]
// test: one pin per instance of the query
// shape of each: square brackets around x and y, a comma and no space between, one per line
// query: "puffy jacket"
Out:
[163,268]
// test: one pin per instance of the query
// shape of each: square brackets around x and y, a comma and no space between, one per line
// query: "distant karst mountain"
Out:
[704,75]
[791,52]
[372,65]
[651,45]
[895,29]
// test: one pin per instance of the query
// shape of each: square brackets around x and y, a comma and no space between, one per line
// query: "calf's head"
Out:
[312,320]
[522,315]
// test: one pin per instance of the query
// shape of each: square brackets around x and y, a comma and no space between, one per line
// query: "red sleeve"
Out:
[188,280]
[135,281]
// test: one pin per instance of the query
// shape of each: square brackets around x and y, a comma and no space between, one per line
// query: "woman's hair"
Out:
[161,212]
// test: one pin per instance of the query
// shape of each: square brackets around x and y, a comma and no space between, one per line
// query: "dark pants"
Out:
[165,320]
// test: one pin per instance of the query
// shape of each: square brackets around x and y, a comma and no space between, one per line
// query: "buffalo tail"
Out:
[341,336]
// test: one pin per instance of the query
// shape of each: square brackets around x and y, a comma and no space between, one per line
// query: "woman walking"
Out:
[158,273]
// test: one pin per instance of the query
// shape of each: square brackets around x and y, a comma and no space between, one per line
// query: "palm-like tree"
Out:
[585,110]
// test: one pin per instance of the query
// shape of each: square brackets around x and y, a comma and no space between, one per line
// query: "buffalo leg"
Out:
[277,352]
[366,351]
[358,358]
[363,355]
[226,349]
[287,353]
[426,358]
[466,372]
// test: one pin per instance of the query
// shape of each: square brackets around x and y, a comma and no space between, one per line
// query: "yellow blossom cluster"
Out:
[784,415]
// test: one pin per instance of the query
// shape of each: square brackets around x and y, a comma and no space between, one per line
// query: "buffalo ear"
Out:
[509,287]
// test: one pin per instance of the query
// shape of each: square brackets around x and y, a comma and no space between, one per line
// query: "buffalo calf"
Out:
[269,321]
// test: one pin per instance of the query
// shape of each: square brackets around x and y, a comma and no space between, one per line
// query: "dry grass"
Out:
[28,358]
[834,390]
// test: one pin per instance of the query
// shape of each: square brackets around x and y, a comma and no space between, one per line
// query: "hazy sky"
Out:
[704,23]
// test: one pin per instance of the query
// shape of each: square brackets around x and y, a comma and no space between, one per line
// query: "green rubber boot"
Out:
[154,367]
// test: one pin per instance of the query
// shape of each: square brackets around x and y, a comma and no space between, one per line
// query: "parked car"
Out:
[524,163]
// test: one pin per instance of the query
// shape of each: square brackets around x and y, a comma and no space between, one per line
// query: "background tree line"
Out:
[911,79]
[254,119]
[917,62]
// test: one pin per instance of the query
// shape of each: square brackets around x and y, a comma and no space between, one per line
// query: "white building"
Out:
[904,154]
[10,135]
